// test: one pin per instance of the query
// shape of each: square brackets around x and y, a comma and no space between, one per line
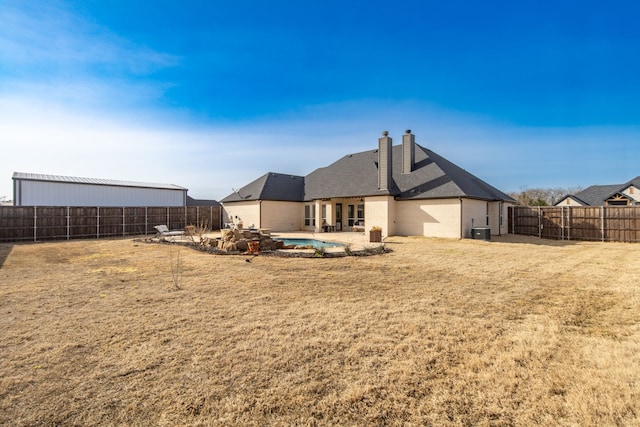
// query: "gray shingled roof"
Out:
[635,182]
[597,194]
[433,177]
[571,196]
[270,186]
[356,175]
[201,202]
[93,181]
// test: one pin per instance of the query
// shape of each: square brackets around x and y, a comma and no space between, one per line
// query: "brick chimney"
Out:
[384,161]
[408,152]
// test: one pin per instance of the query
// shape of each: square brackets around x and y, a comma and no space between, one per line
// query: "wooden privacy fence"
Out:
[599,223]
[35,223]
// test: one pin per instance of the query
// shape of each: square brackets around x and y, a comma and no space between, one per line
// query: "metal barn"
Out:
[31,189]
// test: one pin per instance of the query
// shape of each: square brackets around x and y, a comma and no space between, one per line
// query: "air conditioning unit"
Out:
[481,233]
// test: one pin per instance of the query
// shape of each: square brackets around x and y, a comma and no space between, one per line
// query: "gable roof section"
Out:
[635,182]
[570,196]
[92,181]
[270,186]
[439,178]
[595,195]
[353,175]
[433,177]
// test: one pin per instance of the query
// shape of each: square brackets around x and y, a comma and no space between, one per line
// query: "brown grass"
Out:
[439,332]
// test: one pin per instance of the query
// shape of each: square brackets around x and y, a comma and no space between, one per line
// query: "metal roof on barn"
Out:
[92,181]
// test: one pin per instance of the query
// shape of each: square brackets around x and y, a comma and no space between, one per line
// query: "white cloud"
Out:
[59,116]
[45,137]
[50,34]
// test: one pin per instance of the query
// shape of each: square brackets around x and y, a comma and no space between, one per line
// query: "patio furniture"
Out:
[327,227]
[163,231]
[358,226]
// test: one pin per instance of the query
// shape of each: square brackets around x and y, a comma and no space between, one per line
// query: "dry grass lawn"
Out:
[517,331]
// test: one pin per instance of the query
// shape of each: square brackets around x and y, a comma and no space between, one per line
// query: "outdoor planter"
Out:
[375,236]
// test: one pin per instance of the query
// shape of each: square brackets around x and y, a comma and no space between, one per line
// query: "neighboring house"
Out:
[201,202]
[31,189]
[404,189]
[627,194]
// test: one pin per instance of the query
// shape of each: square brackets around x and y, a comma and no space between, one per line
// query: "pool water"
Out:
[317,244]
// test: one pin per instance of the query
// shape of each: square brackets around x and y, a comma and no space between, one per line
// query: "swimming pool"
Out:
[316,244]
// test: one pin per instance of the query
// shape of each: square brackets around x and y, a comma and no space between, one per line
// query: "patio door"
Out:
[338,216]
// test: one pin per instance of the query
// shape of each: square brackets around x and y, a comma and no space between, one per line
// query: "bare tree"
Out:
[542,196]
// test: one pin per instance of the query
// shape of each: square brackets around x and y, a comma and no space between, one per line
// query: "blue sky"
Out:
[210,95]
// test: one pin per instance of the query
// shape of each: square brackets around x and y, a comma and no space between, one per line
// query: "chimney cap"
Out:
[408,131]
[385,133]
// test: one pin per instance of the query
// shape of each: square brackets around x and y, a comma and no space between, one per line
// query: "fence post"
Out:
[68,223]
[562,223]
[98,222]
[35,222]
[168,224]
[569,220]
[124,227]
[539,223]
[602,222]
[146,220]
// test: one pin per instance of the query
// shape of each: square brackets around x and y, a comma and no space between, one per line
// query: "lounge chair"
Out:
[358,226]
[163,231]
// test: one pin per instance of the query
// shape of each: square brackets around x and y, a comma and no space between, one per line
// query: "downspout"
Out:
[461,220]
[500,217]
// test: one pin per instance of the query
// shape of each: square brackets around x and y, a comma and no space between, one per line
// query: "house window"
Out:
[487,213]
[351,214]
[310,215]
[324,213]
[361,213]
[568,201]
[630,190]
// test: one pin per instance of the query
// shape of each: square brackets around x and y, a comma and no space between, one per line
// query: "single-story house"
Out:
[627,194]
[405,190]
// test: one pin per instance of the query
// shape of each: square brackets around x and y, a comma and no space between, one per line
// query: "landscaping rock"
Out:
[238,241]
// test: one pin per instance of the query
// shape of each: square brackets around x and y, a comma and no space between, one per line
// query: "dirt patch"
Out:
[516,331]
